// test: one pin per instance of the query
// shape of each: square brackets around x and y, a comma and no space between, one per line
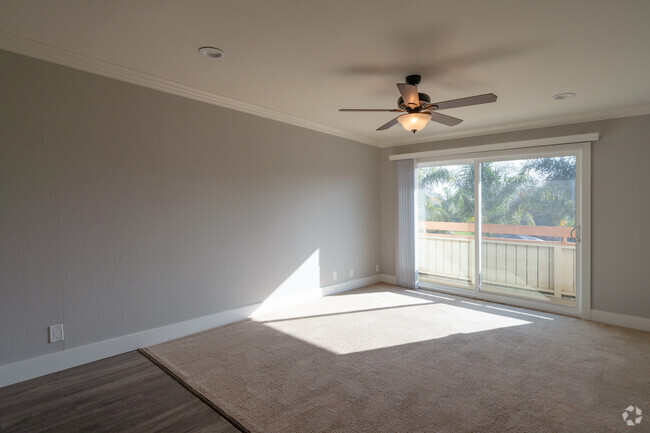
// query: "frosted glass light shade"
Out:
[414,121]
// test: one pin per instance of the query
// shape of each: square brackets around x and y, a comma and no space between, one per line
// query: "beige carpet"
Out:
[382,359]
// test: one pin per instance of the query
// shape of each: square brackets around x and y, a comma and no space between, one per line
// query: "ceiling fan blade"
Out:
[394,110]
[463,102]
[409,93]
[388,125]
[444,119]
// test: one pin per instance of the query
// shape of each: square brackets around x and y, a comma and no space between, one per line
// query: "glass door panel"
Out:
[445,232]
[528,214]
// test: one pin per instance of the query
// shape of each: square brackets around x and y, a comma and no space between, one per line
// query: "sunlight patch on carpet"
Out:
[388,320]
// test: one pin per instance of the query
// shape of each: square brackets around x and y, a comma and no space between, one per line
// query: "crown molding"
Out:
[519,126]
[39,50]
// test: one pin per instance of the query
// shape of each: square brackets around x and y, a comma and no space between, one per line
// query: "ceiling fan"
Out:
[419,109]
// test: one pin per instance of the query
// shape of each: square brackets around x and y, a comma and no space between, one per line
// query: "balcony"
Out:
[533,267]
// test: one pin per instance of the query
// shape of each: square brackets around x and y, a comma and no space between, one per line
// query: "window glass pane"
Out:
[527,215]
[445,244]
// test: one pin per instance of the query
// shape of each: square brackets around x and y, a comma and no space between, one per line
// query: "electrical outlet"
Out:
[56,333]
[351,273]
[377,268]
[335,275]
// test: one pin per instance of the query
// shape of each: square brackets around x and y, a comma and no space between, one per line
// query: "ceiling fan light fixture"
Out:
[414,122]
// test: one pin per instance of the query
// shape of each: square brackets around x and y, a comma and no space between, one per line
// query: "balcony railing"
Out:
[533,266]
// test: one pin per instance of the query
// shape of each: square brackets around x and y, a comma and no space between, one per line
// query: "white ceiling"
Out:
[300,60]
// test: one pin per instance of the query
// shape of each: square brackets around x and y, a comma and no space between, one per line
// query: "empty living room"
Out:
[301,216]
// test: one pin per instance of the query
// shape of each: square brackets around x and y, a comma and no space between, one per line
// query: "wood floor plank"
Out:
[125,393]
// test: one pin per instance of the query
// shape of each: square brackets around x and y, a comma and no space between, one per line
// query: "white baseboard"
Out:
[624,320]
[350,285]
[634,322]
[271,305]
[53,362]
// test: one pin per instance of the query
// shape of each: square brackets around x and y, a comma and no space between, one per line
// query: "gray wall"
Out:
[124,209]
[619,215]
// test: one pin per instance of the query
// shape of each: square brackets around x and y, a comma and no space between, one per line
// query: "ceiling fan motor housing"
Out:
[423,97]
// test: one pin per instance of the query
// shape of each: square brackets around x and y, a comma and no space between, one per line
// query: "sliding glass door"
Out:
[503,225]
[528,211]
[445,238]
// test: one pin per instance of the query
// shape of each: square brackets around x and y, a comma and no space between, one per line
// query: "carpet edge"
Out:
[151,357]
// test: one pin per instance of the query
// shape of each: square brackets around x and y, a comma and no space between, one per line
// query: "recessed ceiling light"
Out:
[212,52]
[567,95]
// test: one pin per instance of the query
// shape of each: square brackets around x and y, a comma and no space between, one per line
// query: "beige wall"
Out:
[619,214]
[125,209]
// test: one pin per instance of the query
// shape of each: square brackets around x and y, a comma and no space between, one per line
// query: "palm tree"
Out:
[538,191]
[553,200]
[449,194]
[553,169]
[446,195]
[500,193]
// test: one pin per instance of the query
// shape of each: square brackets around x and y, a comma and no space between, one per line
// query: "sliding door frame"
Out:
[582,152]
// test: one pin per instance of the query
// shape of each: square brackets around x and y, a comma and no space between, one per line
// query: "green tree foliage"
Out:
[539,192]
[552,201]
[553,169]
[447,195]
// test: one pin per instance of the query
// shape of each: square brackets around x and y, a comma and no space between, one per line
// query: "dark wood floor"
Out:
[125,393]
